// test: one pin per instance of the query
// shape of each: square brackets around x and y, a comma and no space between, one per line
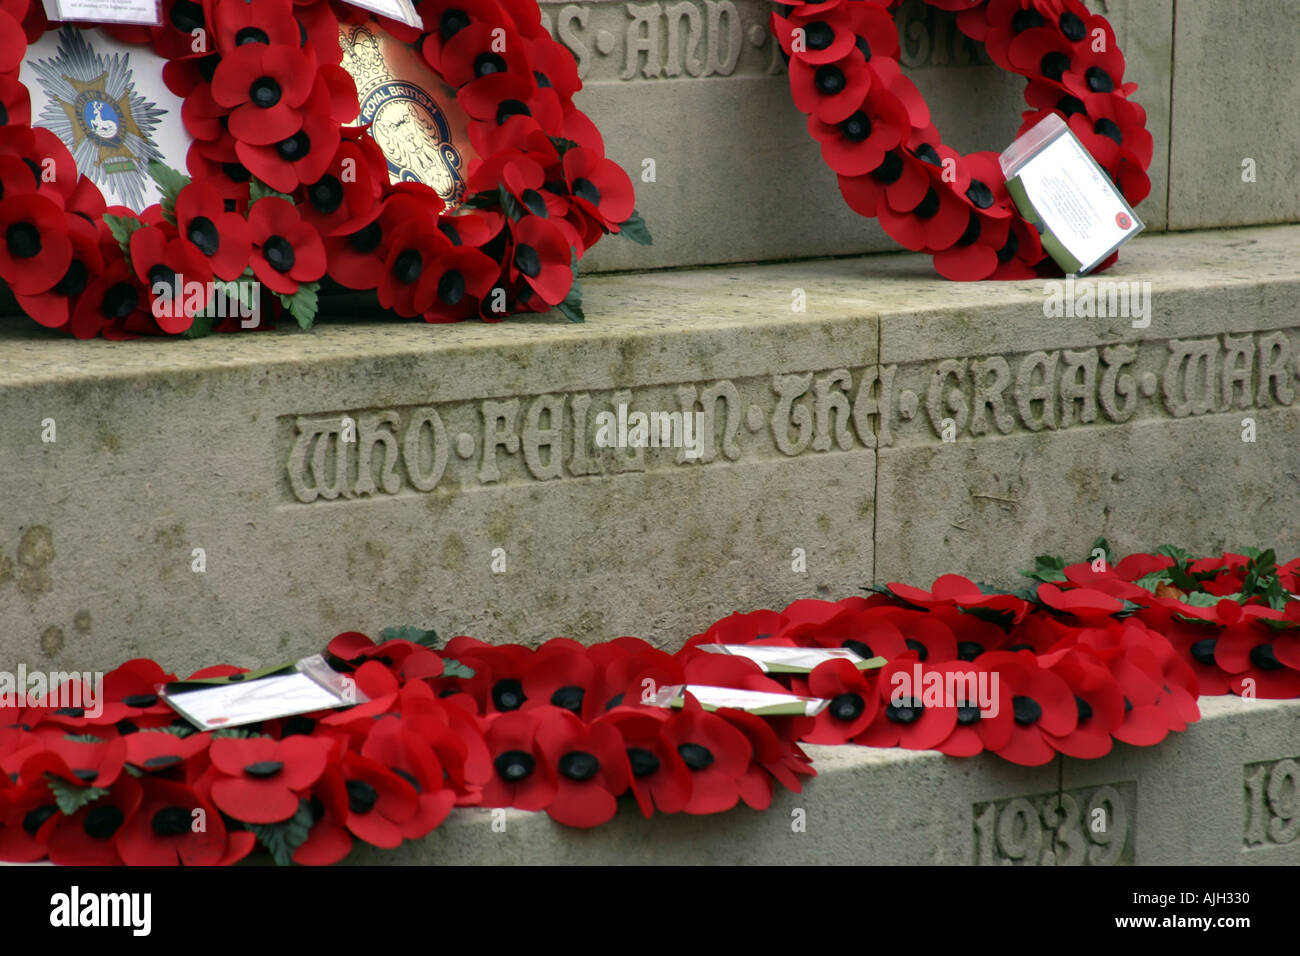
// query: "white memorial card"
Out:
[312,685]
[144,12]
[1058,186]
[760,702]
[774,659]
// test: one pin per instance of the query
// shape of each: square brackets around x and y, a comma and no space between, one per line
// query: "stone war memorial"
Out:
[710,431]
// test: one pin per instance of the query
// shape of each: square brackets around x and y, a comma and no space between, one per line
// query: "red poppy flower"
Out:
[522,777]
[399,747]
[542,257]
[36,250]
[599,187]
[166,265]
[267,22]
[301,157]
[1043,707]
[853,702]
[413,247]
[356,260]
[509,109]
[658,777]
[715,752]
[379,802]
[774,756]
[559,675]
[831,92]
[82,763]
[934,224]
[108,298]
[155,750]
[223,237]
[552,65]
[591,768]
[28,815]
[856,145]
[53,307]
[166,831]
[740,628]
[460,279]
[1247,652]
[480,49]
[907,718]
[286,250]
[347,195]
[89,836]
[260,779]
[265,85]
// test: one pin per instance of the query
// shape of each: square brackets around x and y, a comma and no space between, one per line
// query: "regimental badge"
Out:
[91,102]
[412,114]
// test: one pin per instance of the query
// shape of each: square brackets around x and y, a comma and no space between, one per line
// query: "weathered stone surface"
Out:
[231,445]
[1222,792]
[827,437]
[1235,92]
[698,86]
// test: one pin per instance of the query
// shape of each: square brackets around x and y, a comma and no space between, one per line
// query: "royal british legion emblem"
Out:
[423,140]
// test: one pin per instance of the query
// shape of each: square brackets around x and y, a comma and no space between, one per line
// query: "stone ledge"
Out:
[824,435]
[1194,799]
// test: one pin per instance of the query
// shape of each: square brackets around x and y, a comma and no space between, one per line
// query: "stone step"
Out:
[191,507]
[1220,793]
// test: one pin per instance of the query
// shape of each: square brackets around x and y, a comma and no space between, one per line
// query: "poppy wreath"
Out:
[279,192]
[875,132]
[1097,651]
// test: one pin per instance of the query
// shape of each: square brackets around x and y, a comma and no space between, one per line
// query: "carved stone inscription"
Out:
[1272,797]
[671,39]
[369,452]
[1089,826]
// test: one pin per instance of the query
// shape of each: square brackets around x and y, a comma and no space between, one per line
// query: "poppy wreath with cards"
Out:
[280,192]
[1096,652]
[875,131]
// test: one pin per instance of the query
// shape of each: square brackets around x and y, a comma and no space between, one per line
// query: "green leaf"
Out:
[304,303]
[176,730]
[283,838]
[635,229]
[199,328]
[1149,582]
[260,190]
[488,199]
[417,635]
[1047,568]
[571,307]
[1003,619]
[1250,552]
[170,182]
[1171,551]
[240,733]
[562,145]
[1202,599]
[84,738]
[71,797]
[451,668]
[509,205]
[121,227]
[1104,546]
